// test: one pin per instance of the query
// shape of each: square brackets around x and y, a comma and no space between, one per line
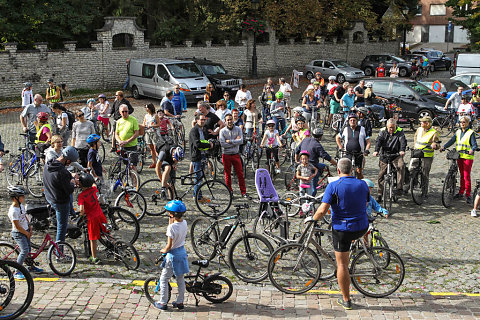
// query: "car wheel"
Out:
[432,68]
[340,78]
[368,71]
[403,72]
[424,112]
[135,92]
[309,75]
[447,66]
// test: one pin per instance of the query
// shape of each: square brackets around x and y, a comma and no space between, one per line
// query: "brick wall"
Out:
[104,67]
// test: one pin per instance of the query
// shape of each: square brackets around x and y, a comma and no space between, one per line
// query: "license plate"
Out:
[199,96]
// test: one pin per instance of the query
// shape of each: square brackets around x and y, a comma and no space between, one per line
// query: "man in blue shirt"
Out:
[179,101]
[347,101]
[348,199]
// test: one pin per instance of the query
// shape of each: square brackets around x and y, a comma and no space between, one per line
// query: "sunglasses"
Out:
[271,125]
[124,111]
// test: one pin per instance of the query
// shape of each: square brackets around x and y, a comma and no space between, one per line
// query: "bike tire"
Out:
[141,162]
[216,198]
[376,240]
[151,288]
[13,171]
[101,153]
[325,241]
[365,283]
[10,307]
[34,181]
[416,182]
[8,252]
[151,190]
[301,276]
[127,253]
[55,256]
[293,208]
[448,189]
[217,289]
[260,225]
[133,201]
[124,224]
[290,179]
[204,238]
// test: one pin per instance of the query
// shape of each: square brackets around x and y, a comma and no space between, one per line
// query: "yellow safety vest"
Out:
[463,143]
[299,136]
[422,142]
[53,92]
[39,132]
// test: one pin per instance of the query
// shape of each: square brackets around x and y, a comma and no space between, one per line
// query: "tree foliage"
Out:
[467,14]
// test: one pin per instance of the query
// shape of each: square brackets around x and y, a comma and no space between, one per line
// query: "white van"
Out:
[467,63]
[154,77]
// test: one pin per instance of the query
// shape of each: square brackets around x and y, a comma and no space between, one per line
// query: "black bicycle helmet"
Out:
[317,132]
[15,191]
[86,180]
[301,118]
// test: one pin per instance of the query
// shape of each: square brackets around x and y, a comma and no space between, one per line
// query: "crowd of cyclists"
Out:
[227,130]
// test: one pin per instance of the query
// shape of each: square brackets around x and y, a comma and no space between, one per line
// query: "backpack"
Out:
[332,90]
[71,119]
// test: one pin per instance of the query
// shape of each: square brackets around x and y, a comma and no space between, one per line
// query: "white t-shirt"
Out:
[27,97]
[60,118]
[222,113]
[285,89]
[249,119]
[177,231]
[242,97]
[466,108]
[14,213]
[100,107]
[271,138]
[330,86]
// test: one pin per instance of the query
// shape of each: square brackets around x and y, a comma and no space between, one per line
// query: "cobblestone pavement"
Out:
[438,245]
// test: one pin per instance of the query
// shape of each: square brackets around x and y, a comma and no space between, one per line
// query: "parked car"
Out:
[415,99]
[410,57]
[436,58]
[448,86]
[468,78]
[219,77]
[371,62]
[467,62]
[338,68]
[154,77]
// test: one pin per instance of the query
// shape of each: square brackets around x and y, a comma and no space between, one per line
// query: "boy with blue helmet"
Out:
[373,204]
[93,160]
[176,260]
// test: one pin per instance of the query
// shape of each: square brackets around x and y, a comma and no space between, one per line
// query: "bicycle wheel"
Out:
[448,190]
[16,296]
[204,237]
[388,193]
[180,137]
[133,201]
[62,258]
[294,268]
[141,162]
[248,257]
[34,181]
[416,186]
[290,179]
[101,153]
[151,287]
[255,161]
[376,240]
[217,289]
[210,169]
[127,253]
[124,224]
[324,240]
[283,155]
[8,252]
[156,200]
[213,198]
[372,277]
[13,171]
[269,228]
[104,130]
[133,180]
[294,207]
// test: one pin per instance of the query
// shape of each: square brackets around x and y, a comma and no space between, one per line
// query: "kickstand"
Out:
[196,300]
[222,258]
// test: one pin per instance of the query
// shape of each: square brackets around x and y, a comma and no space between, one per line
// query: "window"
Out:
[419,88]
[122,40]
[328,65]
[463,78]
[374,58]
[476,79]
[387,59]
[317,63]
[438,10]
[380,87]
[341,64]
[184,70]
[400,90]
[162,73]
[419,10]
[148,70]
[212,69]
[358,37]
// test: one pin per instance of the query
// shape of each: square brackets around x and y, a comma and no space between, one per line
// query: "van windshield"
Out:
[184,70]
[212,69]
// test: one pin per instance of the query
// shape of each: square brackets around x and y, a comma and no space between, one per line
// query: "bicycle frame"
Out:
[122,173]
[22,162]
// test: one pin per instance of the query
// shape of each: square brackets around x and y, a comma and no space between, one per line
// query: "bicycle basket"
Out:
[453,155]
[417,153]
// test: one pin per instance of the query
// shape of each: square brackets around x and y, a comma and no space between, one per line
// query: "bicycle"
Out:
[16,296]
[179,134]
[296,268]
[418,180]
[104,130]
[61,256]
[390,182]
[337,123]
[142,153]
[246,256]
[292,183]
[251,153]
[118,249]
[446,124]
[216,197]
[354,155]
[449,189]
[210,286]
[271,163]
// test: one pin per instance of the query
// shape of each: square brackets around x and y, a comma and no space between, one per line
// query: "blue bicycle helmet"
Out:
[369,182]
[90,100]
[93,138]
[70,153]
[178,153]
[176,206]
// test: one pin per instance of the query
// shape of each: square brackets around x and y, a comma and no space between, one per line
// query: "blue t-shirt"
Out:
[348,101]
[177,103]
[350,212]
[96,164]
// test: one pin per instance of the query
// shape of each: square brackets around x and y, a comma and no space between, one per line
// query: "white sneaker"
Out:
[473,213]
[277,170]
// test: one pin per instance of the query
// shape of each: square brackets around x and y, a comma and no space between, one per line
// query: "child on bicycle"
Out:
[21,228]
[373,205]
[305,173]
[163,124]
[272,139]
[89,207]
[94,163]
[176,261]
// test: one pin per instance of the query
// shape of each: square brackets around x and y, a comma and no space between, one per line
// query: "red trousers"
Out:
[229,160]
[465,167]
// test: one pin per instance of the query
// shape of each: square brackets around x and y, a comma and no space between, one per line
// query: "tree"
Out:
[467,14]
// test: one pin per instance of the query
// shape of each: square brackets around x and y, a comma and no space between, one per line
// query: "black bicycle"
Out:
[418,180]
[15,295]
[213,287]
[449,189]
[248,256]
[390,186]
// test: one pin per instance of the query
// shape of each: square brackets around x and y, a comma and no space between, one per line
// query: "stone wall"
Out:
[103,66]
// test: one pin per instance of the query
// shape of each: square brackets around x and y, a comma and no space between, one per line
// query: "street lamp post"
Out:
[255,4]
[404,48]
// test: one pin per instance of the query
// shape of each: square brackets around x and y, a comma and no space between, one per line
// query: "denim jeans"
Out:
[197,165]
[379,109]
[279,122]
[265,116]
[62,211]
[315,179]
[24,244]
[167,273]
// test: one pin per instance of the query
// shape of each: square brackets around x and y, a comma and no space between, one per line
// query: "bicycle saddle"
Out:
[201,263]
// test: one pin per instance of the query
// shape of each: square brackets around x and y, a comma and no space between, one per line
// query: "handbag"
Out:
[417,153]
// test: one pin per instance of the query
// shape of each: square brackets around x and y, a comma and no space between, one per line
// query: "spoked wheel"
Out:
[417,186]
[255,161]
[217,289]
[213,198]
[290,180]
[449,189]
[204,238]
[378,241]
[151,287]
[16,295]
[62,258]
[325,240]
[105,131]
[13,172]
[133,201]
[294,206]
[8,252]
[127,253]
[34,181]
[374,278]
[294,268]
[154,195]
[388,193]
[124,224]
[101,153]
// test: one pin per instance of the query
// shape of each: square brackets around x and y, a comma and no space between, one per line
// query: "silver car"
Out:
[338,68]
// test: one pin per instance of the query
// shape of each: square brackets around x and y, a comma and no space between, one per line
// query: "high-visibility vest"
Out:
[422,142]
[463,143]
[53,92]
[300,135]
[39,133]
